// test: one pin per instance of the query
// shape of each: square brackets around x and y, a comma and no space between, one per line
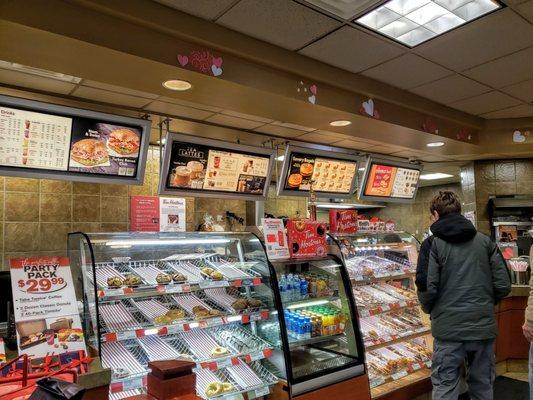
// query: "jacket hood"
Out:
[453,228]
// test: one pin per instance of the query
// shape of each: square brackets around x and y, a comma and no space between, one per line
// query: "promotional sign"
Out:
[157,214]
[391,181]
[275,238]
[46,312]
[43,140]
[306,238]
[325,171]
[2,351]
[211,168]
[343,221]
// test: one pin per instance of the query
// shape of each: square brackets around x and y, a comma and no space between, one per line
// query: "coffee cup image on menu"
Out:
[124,141]
[182,176]
[89,152]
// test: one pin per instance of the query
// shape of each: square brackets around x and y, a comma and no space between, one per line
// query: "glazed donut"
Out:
[227,387]
[219,351]
[214,389]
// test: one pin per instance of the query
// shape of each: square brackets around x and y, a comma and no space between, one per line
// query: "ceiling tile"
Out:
[516,67]
[485,103]
[320,137]
[387,149]
[451,88]
[280,22]
[522,90]
[110,97]
[35,82]
[345,9]
[526,10]
[399,72]
[354,144]
[247,116]
[208,9]
[118,89]
[495,35]
[181,102]
[279,131]
[178,110]
[523,110]
[294,126]
[234,122]
[352,49]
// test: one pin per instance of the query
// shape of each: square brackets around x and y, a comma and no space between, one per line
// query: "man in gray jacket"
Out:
[467,276]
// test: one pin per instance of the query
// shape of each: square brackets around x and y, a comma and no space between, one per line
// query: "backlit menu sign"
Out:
[328,173]
[42,140]
[390,181]
[211,168]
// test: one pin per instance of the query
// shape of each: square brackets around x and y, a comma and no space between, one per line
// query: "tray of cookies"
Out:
[186,269]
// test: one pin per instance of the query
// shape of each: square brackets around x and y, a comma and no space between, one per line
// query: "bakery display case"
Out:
[396,334]
[317,326]
[205,297]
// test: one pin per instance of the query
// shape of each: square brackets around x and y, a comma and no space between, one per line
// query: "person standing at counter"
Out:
[466,277]
[528,324]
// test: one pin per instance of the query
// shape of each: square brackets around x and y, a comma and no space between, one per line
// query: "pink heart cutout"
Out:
[183,60]
[376,114]
[217,61]
[312,89]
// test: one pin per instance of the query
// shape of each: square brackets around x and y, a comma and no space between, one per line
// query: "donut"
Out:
[254,303]
[177,277]
[214,389]
[217,276]
[227,387]
[239,305]
[114,281]
[163,278]
[300,226]
[219,351]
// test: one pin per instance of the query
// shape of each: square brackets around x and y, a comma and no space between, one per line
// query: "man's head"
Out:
[446,202]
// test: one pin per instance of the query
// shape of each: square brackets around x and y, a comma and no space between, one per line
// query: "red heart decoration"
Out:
[507,253]
[312,89]
[183,60]
[217,61]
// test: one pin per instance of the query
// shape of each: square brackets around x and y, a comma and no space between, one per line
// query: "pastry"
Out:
[214,389]
[177,277]
[175,314]
[240,304]
[114,281]
[214,313]
[254,303]
[207,271]
[132,280]
[227,387]
[162,320]
[306,169]
[294,180]
[217,276]
[219,351]
[163,278]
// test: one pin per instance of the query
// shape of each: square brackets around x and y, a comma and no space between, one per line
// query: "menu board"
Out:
[390,180]
[304,169]
[202,166]
[48,141]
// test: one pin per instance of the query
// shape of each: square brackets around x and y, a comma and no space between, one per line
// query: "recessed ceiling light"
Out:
[177,84]
[163,141]
[362,169]
[340,123]
[435,144]
[412,22]
[436,175]
[280,158]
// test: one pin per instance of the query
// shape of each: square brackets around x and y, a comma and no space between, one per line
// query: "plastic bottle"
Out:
[296,288]
[289,288]
[283,288]
[308,327]
[303,289]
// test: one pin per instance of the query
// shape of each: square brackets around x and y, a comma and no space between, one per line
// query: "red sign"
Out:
[343,221]
[144,214]
[306,238]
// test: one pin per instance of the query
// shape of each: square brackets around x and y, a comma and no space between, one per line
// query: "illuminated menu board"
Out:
[211,168]
[328,173]
[43,140]
[387,180]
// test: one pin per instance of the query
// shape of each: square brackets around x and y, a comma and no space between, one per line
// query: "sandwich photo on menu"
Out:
[124,142]
[89,152]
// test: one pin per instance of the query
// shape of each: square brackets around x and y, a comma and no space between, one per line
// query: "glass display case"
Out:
[396,334]
[206,297]
[319,328]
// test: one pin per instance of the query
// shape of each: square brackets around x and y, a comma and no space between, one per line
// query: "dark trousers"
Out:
[448,359]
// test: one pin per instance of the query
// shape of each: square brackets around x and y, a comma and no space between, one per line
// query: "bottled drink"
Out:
[283,288]
[303,288]
[308,327]
[289,288]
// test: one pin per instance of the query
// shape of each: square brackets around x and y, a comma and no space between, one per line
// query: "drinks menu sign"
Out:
[204,167]
[386,180]
[324,172]
[47,141]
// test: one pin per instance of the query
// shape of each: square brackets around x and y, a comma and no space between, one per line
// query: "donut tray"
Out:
[201,344]
[104,271]
[126,356]
[186,268]
[238,339]
[125,394]
[157,349]
[122,315]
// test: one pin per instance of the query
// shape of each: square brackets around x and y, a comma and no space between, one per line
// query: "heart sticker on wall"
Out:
[217,71]
[307,92]
[183,60]
[312,89]
[217,61]
[519,137]
[368,108]
[312,99]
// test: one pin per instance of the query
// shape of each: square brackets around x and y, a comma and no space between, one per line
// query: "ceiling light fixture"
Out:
[362,169]
[177,84]
[340,123]
[412,22]
[434,176]
[280,158]
[163,141]
[435,144]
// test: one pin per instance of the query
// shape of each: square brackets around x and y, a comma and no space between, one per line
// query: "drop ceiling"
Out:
[482,68]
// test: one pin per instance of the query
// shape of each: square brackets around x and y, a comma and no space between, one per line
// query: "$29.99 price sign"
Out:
[41,279]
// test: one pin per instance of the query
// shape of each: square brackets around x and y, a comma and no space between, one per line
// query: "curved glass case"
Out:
[200,296]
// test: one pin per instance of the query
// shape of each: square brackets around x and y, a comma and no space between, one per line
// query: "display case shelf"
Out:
[317,339]
[387,341]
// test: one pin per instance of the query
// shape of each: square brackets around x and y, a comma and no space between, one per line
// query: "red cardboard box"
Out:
[306,238]
[343,221]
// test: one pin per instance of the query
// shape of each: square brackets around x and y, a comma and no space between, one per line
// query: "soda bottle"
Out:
[283,288]
[289,287]
[308,327]
[303,289]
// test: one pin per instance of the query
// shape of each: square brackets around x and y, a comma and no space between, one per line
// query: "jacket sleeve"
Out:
[501,281]
[429,297]
[422,265]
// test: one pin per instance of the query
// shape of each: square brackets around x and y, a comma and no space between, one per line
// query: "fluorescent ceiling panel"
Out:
[412,22]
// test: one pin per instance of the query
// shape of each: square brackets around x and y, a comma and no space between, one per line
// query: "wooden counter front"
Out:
[511,343]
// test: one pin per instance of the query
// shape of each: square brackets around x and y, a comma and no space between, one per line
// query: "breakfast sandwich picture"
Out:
[89,153]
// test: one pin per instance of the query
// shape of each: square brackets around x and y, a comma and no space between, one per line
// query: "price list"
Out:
[34,140]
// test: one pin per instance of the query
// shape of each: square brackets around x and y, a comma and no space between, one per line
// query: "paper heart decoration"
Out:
[217,71]
[312,89]
[429,126]
[217,61]
[312,99]
[368,108]
[464,135]
[183,60]
[519,137]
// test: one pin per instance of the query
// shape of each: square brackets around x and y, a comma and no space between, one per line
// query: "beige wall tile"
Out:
[141,190]
[22,207]
[21,236]
[53,186]
[114,190]
[85,208]
[85,188]
[56,208]
[505,171]
[113,227]
[504,188]
[114,209]
[86,227]
[53,236]
[524,187]
[22,185]
[524,170]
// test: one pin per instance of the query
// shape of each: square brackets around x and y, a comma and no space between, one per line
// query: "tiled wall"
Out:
[285,206]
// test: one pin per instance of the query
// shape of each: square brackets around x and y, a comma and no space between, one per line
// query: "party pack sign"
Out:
[306,238]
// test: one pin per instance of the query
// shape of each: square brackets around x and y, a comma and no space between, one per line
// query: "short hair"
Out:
[446,202]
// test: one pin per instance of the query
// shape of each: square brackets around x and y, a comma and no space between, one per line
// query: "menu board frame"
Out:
[71,112]
[391,163]
[312,152]
[172,137]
